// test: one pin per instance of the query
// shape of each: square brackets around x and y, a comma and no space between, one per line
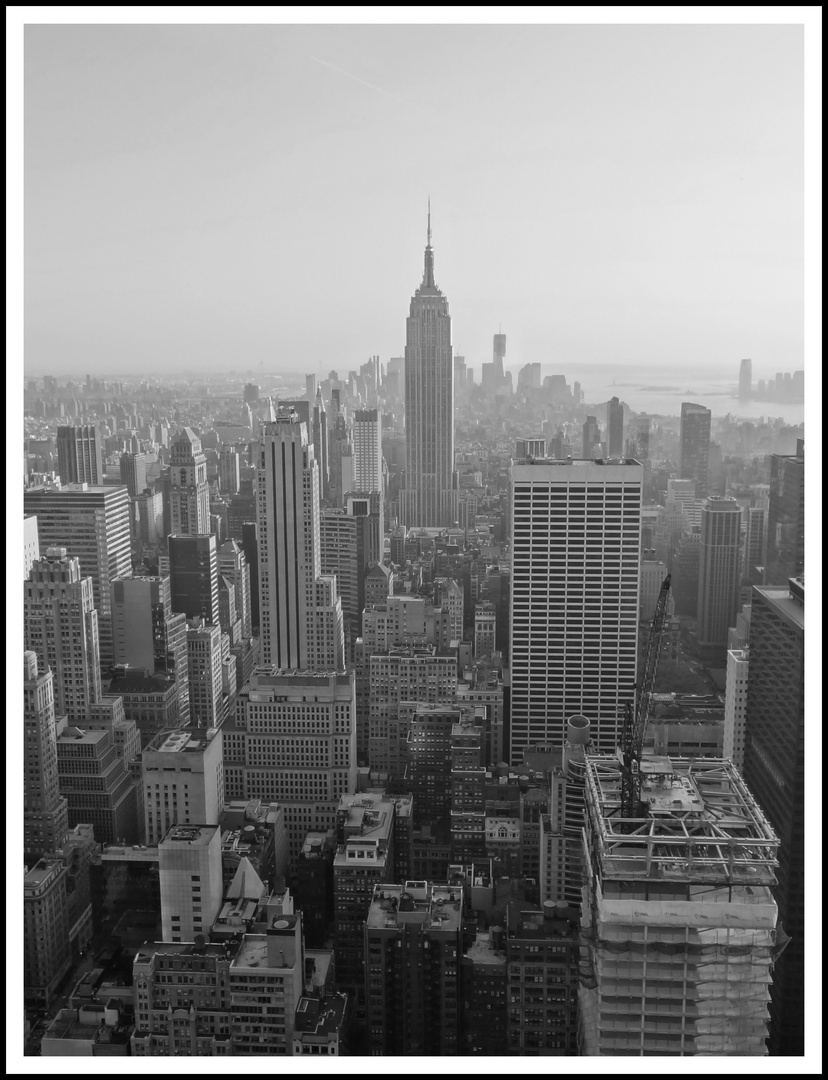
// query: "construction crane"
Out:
[636,716]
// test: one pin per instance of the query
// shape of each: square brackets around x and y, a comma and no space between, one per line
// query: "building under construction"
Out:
[679,927]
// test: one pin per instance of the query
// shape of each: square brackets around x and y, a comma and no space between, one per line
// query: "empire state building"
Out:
[430,496]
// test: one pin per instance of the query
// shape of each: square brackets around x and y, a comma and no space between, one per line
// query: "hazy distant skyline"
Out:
[219,197]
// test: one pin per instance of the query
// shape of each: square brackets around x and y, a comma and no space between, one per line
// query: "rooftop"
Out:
[315,1016]
[181,836]
[436,907]
[703,823]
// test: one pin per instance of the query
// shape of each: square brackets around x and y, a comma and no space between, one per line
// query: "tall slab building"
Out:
[61,627]
[189,490]
[92,523]
[694,448]
[429,497]
[300,610]
[45,815]
[79,455]
[576,528]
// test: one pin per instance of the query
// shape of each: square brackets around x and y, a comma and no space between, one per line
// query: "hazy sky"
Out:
[215,197]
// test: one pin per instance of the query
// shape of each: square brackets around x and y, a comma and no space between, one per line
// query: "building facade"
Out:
[189,489]
[92,523]
[719,573]
[694,448]
[574,606]
[300,611]
[79,455]
[61,627]
[774,768]
[45,814]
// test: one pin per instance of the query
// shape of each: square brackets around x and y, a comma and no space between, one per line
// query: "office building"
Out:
[367,437]
[234,567]
[294,742]
[484,992]
[147,634]
[227,1017]
[147,510]
[615,428]
[193,562]
[679,925]
[529,377]
[189,868]
[182,780]
[364,858]
[209,706]
[61,627]
[92,523]
[31,543]
[229,472]
[97,784]
[485,621]
[591,438]
[134,473]
[429,496]
[301,614]
[344,542]
[574,606]
[756,539]
[638,438]
[719,574]
[694,449]
[745,379]
[403,673]
[369,504]
[542,948]
[786,518]
[45,814]
[189,489]
[774,769]
[413,949]
[79,455]
[736,686]
[152,700]
[47,954]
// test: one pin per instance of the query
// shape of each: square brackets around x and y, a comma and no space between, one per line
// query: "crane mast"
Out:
[637,715]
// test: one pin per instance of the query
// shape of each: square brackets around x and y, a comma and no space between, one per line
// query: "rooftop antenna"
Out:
[429,222]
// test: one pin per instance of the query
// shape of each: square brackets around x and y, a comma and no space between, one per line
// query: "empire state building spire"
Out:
[428,270]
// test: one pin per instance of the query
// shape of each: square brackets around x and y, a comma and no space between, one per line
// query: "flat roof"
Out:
[189,835]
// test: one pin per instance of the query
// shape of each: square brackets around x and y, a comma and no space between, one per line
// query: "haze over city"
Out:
[221,197]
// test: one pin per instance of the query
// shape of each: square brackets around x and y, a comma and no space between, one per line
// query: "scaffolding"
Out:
[679,926]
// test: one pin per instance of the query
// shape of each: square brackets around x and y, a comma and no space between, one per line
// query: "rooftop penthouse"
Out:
[435,907]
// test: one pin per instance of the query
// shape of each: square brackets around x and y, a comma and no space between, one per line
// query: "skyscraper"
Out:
[615,428]
[774,770]
[148,634]
[367,450]
[61,627]
[574,610]
[719,574]
[189,490]
[694,445]
[591,443]
[45,816]
[638,438]
[194,576]
[93,524]
[134,473]
[745,379]
[786,517]
[31,543]
[429,497]
[678,919]
[301,614]
[79,455]
[234,567]
[294,741]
